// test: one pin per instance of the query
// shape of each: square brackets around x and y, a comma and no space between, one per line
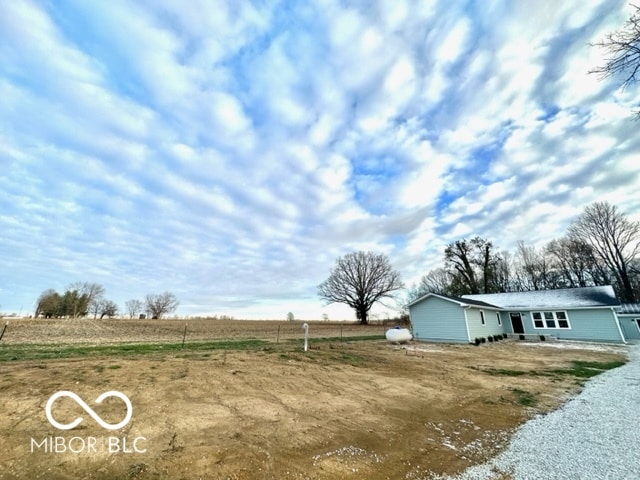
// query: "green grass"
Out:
[43,352]
[524,398]
[20,352]
[582,369]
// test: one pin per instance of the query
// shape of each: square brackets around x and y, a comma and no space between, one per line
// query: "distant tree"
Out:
[359,280]
[575,263]
[533,268]
[133,307]
[48,304]
[108,308]
[436,281]
[81,298]
[615,241]
[290,317]
[161,304]
[622,48]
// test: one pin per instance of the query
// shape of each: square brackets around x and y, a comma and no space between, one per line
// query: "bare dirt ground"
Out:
[342,410]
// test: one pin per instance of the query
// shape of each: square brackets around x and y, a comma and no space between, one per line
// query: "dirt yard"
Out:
[344,409]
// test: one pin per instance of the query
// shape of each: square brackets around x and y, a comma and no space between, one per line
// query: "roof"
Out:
[583,297]
[629,308]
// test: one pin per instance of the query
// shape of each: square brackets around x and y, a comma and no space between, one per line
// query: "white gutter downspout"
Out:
[615,316]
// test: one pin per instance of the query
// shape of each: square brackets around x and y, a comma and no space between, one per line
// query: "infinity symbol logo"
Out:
[88,409]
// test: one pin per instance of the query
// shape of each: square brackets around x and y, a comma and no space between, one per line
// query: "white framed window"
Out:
[550,319]
[482,318]
[499,319]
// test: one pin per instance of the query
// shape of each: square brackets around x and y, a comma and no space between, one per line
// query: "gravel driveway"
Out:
[594,436]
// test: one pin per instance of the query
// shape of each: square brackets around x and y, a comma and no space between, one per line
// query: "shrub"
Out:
[476,341]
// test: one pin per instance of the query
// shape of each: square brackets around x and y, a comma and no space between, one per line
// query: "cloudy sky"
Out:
[230,151]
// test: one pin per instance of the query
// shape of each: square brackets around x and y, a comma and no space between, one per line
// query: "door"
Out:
[516,322]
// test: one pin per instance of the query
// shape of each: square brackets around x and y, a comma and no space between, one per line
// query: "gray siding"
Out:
[438,320]
[598,324]
[629,326]
[491,327]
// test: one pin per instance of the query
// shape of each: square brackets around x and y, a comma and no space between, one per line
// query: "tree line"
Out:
[600,247]
[81,299]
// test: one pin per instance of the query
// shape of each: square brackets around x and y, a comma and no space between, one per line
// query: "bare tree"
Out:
[614,238]
[108,308]
[133,307]
[83,296]
[436,281]
[575,263]
[160,304]
[533,268]
[472,265]
[360,279]
[622,48]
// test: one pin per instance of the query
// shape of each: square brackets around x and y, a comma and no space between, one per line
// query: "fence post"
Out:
[184,335]
[278,336]
[5,327]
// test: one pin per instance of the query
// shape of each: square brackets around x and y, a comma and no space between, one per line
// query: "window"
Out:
[550,320]
[537,320]
[563,322]
[499,319]
[482,317]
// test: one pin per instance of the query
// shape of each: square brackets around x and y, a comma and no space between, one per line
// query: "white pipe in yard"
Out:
[306,336]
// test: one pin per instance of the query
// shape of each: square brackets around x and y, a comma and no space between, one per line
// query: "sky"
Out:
[229,152]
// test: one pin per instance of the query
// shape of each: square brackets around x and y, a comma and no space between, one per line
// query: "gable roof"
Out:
[459,300]
[583,297]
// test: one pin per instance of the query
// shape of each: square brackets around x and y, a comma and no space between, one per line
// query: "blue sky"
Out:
[229,152]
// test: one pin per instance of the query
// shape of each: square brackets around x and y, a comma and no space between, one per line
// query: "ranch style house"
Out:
[591,314]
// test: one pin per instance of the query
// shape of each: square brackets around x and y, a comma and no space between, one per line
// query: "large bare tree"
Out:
[622,48]
[473,265]
[360,279]
[614,238]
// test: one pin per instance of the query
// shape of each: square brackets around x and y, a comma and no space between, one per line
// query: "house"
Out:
[587,314]
[629,318]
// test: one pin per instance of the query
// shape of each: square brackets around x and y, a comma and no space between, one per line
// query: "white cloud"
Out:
[216,150]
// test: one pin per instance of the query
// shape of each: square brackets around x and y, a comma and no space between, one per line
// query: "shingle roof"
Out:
[631,308]
[603,296]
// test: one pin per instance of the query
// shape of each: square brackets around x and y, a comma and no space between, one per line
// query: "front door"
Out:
[516,322]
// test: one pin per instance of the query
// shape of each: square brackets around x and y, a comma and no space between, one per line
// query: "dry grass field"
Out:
[242,400]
